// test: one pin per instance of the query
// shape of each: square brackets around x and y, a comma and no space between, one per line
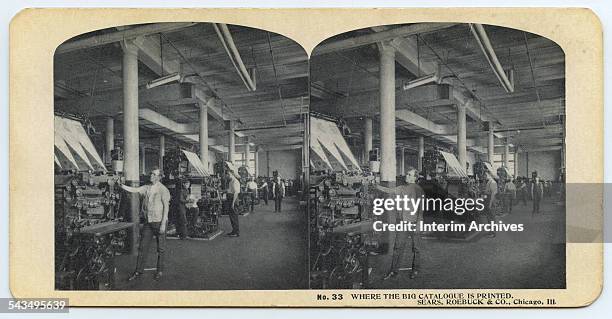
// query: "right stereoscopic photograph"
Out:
[437,159]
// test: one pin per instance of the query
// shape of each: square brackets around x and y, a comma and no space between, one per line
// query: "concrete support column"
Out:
[461,135]
[203,134]
[421,152]
[143,160]
[131,171]
[491,144]
[563,170]
[109,134]
[367,139]
[256,161]
[387,115]
[247,152]
[506,155]
[516,161]
[402,161]
[231,144]
[268,173]
[162,150]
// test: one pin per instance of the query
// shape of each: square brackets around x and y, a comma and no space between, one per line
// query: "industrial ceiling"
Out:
[88,81]
[345,83]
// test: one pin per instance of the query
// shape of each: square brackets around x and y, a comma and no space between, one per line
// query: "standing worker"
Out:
[537,192]
[233,192]
[413,191]
[265,190]
[522,190]
[183,200]
[509,195]
[490,194]
[278,192]
[154,205]
[252,189]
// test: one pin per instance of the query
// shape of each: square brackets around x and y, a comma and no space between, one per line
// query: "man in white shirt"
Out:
[154,205]
[401,239]
[233,192]
[252,188]
[490,197]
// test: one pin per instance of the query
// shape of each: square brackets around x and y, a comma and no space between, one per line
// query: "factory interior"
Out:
[264,162]
[201,102]
[454,101]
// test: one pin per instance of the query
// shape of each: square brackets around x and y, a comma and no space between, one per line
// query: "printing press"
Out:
[342,239]
[180,165]
[341,231]
[444,177]
[89,225]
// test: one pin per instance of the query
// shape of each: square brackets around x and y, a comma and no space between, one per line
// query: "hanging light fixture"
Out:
[164,79]
[431,78]
[435,77]
[170,78]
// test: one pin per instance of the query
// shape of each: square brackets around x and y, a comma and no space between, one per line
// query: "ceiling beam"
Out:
[539,149]
[116,36]
[150,54]
[297,127]
[367,103]
[282,147]
[407,56]
[358,41]
[423,123]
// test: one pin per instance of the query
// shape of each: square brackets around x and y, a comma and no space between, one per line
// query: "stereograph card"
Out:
[447,157]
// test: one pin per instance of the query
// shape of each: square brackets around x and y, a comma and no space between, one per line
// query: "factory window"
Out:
[498,160]
[240,160]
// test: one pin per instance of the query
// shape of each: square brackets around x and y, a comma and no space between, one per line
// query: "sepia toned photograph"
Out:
[406,157]
[178,159]
[439,111]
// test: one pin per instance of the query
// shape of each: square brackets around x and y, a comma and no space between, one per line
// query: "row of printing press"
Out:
[342,239]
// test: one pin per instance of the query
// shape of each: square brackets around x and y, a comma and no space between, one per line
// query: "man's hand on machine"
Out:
[384,190]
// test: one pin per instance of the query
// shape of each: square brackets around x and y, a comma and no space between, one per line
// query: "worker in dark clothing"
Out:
[509,195]
[183,200]
[537,192]
[265,190]
[278,192]
[521,190]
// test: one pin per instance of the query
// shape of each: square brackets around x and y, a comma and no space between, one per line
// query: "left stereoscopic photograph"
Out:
[179,156]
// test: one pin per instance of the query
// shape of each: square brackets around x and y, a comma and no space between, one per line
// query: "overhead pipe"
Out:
[232,51]
[484,42]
